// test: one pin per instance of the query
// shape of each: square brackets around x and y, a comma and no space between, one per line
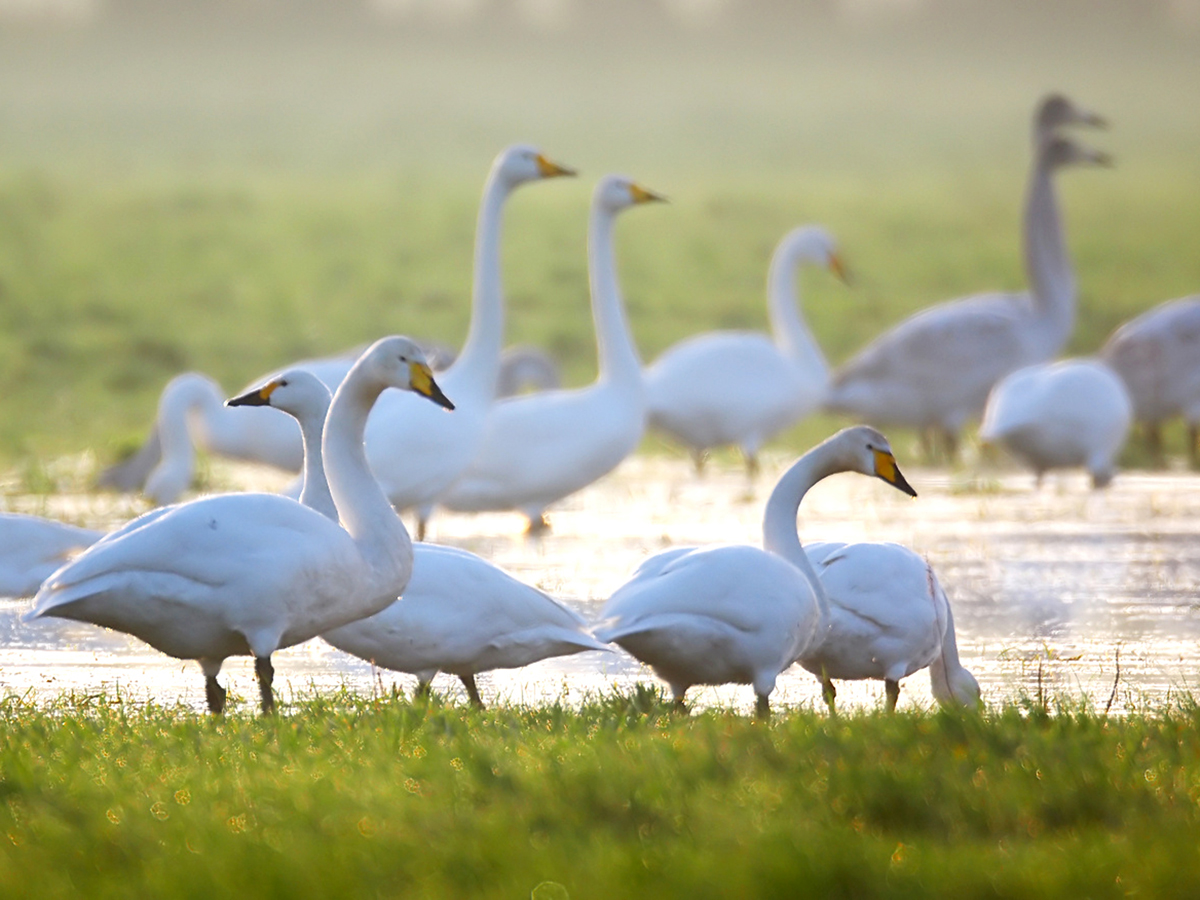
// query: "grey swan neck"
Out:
[1051,280]
[791,333]
[617,357]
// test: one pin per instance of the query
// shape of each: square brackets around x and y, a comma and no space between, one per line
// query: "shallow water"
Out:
[1052,589]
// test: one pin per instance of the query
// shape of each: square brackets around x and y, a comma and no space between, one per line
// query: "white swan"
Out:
[242,574]
[539,448]
[459,613]
[1075,412]
[888,618]
[524,369]
[734,613]
[933,371]
[742,387]
[1157,355]
[31,548]
[415,455]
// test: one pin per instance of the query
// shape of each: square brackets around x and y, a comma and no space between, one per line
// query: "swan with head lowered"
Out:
[31,548]
[742,387]
[888,617]
[735,613]
[238,574]
[459,613]
[1074,412]
[539,448]
[1157,355]
[934,370]
[435,449]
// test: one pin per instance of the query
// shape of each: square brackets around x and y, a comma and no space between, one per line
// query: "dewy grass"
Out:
[373,796]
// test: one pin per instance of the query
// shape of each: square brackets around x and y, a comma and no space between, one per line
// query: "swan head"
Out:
[1056,110]
[296,391]
[617,192]
[1060,151]
[811,243]
[521,163]
[956,687]
[399,362]
[863,449]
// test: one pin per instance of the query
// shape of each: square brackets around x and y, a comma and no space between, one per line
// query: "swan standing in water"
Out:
[735,613]
[32,548]
[1157,355]
[539,448]
[888,618]
[742,387]
[459,613]
[414,454]
[933,371]
[238,574]
[1056,415]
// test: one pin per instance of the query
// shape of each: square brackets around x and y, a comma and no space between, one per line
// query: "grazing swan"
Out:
[32,548]
[1056,415]
[525,369]
[435,449]
[933,371]
[888,617]
[459,613]
[742,387]
[1157,355]
[539,448]
[237,574]
[734,613]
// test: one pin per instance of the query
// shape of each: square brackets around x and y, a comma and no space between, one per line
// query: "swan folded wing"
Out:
[884,583]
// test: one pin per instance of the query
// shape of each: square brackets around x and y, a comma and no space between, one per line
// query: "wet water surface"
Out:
[1060,590]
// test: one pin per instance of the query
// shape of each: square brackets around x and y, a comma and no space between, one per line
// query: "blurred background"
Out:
[228,186]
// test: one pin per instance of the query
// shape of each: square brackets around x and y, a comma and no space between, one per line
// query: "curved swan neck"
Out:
[780,535]
[1051,281]
[314,490]
[617,356]
[360,502]
[946,665]
[479,361]
[791,332]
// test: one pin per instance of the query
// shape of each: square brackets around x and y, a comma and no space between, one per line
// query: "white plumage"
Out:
[31,548]
[742,387]
[1075,412]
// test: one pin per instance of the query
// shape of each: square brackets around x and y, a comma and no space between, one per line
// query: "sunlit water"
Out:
[1053,589]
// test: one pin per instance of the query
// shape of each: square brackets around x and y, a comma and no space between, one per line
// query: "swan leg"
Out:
[699,457]
[1193,451]
[893,693]
[751,464]
[762,707]
[424,690]
[422,522]
[266,675]
[472,691]
[538,525]
[214,694]
[949,444]
[829,692]
[1153,440]
[678,705]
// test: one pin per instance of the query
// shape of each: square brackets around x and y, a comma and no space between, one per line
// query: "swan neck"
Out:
[780,535]
[1051,281]
[946,665]
[358,499]
[314,490]
[617,356]
[187,402]
[479,362]
[791,332]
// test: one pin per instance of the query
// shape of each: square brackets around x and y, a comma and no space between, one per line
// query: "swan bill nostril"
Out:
[550,169]
[420,378]
[257,397]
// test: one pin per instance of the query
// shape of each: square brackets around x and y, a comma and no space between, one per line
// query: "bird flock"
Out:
[251,573]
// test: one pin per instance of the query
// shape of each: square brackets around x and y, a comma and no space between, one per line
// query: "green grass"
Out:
[353,796]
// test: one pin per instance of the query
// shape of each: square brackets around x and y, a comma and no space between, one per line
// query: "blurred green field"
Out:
[360,796]
[233,195]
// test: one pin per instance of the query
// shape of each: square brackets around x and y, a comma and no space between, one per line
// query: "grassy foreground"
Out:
[352,796]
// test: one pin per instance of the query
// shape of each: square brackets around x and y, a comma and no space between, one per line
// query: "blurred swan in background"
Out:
[238,574]
[735,613]
[435,448]
[459,613]
[1157,355]
[933,371]
[743,387]
[32,548]
[1075,412]
[888,618]
[539,448]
